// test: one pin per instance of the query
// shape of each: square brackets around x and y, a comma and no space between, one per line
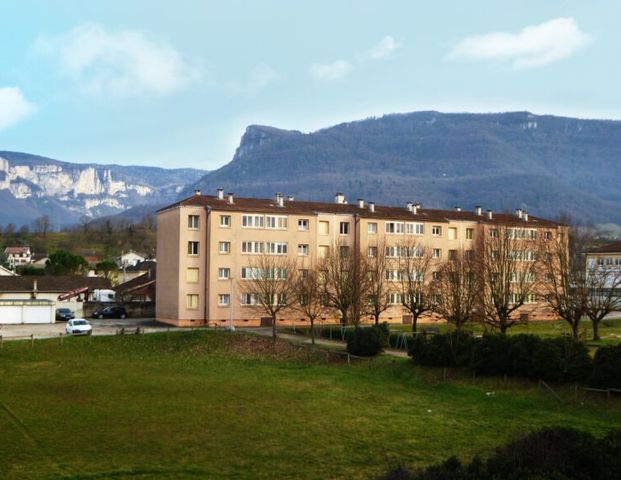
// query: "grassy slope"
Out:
[203,405]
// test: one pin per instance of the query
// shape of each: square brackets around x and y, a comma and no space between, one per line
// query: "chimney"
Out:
[458,209]
[371,207]
[489,214]
[525,216]
[409,206]
[360,203]
[197,191]
[231,197]
[418,206]
[415,208]
[518,212]
[220,193]
[280,199]
[290,198]
[339,198]
[477,210]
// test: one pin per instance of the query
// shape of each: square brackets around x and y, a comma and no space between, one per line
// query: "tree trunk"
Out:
[574,328]
[504,326]
[414,322]
[274,327]
[312,322]
[595,329]
[376,319]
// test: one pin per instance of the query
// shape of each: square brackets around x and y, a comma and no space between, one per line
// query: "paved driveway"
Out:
[100,327]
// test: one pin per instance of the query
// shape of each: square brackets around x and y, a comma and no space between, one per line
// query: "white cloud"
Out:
[385,48]
[260,77]
[122,62]
[331,71]
[533,46]
[13,106]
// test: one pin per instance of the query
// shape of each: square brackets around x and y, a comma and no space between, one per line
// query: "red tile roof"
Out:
[614,247]
[51,283]
[244,204]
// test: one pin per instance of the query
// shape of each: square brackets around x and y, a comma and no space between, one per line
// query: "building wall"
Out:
[169,266]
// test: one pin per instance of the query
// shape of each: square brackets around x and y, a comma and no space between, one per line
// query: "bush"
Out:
[558,359]
[446,350]
[607,368]
[550,454]
[368,341]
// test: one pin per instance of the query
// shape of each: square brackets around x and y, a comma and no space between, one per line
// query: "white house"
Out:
[129,259]
[17,256]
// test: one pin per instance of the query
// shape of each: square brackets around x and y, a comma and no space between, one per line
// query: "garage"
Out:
[14,312]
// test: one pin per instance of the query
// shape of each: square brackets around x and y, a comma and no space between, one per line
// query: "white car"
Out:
[78,326]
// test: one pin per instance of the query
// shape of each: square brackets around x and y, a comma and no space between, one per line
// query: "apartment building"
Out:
[605,263]
[205,245]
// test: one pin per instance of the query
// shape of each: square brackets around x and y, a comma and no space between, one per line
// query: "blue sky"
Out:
[175,83]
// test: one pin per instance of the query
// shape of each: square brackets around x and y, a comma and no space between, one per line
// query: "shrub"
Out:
[549,454]
[368,341]
[448,349]
[607,368]
[490,355]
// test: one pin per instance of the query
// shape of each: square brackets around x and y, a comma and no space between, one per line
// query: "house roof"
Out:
[243,204]
[51,283]
[16,250]
[138,282]
[143,266]
[614,247]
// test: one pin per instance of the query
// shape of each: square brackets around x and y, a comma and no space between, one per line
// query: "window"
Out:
[323,251]
[280,223]
[324,228]
[192,248]
[452,233]
[344,251]
[224,247]
[493,233]
[193,222]
[303,249]
[191,275]
[250,273]
[344,228]
[394,299]
[530,298]
[252,221]
[436,231]
[435,275]
[303,273]
[303,224]
[415,228]
[394,227]
[437,253]
[225,221]
[276,248]
[372,252]
[224,273]
[372,228]
[394,275]
[252,247]
[469,233]
[393,252]
[224,300]
[191,301]
[250,299]
[533,234]
[547,235]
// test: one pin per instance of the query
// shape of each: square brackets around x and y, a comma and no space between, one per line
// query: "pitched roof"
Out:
[51,283]
[138,282]
[244,204]
[16,250]
[614,247]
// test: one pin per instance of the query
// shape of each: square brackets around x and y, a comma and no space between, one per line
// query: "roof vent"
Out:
[279,199]
[220,193]
[519,213]
[458,209]
[409,206]
[197,191]
[360,203]
[339,198]
[525,216]
[231,198]
[371,207]
[490,215]
[290,198]
[477,210]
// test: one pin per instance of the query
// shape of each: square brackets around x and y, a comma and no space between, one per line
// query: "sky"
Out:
[175,83]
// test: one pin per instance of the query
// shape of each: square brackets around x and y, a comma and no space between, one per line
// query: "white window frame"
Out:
[276,222]
[252,247]
[192,250]
[225,221]
[224,299]
[414,228]
[192,224]
[344,228]
[253,221]
[394,228]
[436,231]
[372,228]
[303,249]
[224,273]
[303,224]
[224,248]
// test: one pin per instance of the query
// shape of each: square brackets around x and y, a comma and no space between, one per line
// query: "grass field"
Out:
[216,405]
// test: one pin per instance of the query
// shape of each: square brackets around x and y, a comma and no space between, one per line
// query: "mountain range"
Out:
[32,186]
[544,164]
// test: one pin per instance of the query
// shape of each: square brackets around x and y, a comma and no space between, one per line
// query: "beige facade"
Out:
[204,243]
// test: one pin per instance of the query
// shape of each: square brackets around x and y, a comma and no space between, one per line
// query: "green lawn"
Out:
[216,405]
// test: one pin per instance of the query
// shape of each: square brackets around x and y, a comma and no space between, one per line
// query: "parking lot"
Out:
[100,327]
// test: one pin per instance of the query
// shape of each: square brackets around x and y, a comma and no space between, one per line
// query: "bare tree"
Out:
[43,225]
[309,297]
[268,283]
[415,264]
[603,282]
[455,289]
[565,283]
[507,270]
[346,282]
[378,266]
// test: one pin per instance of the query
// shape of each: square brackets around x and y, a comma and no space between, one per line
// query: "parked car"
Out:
[78,326]
[64,314]
[110,312]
